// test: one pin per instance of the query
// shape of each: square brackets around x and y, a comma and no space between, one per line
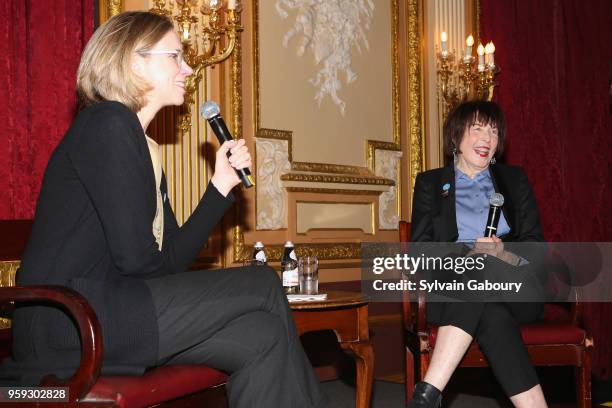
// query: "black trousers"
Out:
[496,328]
[236,320]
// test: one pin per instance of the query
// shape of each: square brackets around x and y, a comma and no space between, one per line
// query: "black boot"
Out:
[425,395]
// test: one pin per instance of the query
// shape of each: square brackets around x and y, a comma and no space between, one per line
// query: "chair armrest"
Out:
[89,329]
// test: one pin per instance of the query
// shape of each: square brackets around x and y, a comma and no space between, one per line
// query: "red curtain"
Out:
[555,56]
[40,47]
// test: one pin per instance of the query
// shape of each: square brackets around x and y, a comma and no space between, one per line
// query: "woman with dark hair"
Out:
[105,228]
[451,204]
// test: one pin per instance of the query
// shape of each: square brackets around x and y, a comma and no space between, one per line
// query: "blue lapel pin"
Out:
[445,190]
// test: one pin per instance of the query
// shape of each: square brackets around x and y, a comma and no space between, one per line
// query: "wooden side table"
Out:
[346,313]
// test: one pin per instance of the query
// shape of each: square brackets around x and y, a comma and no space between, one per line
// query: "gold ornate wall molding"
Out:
[387,165]
[344,173]
[338,178]
[8,269]
[305,177]
[395,92]
[109,8]
[335,191]
[335,251]
[330,168]
[274,170]
[416,135]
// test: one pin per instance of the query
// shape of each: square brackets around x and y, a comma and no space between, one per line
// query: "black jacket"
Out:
[433,213]
[93,232]
[434,216]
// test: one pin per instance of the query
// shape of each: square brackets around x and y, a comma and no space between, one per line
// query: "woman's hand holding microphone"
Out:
[225,177]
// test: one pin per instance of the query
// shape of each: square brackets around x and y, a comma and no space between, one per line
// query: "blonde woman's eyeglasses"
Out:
[177,55]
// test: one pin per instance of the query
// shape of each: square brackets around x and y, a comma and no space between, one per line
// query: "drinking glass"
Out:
[308,271]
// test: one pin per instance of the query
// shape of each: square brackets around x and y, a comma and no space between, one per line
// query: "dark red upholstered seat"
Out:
[156,386]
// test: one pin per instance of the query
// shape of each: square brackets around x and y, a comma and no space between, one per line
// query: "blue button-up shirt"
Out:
[472,205]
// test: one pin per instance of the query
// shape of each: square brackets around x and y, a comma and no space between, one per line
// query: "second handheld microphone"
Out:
[495,204]
[210,111]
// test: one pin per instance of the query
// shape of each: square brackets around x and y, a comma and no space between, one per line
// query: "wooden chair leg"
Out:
[424,364]
[583,381]
[410,375]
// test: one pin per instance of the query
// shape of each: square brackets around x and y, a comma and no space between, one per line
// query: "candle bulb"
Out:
[481,59]
[491,55]
[468,51]
[444,39]
[231,4]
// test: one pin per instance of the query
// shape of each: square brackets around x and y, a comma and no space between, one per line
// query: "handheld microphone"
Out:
[211,112]
[495,204]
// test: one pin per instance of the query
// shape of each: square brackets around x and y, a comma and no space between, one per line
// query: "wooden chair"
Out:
[558,340]
[168,386]
[174,385]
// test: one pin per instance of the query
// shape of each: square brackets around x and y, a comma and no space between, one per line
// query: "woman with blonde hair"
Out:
[104,227]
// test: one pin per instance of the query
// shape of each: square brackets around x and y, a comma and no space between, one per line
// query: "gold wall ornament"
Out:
[108,9]
[8,270]
[335,251]
[115,7]
[335,191]
[395,93]
[408,118]
[372,146]
[342,179]
[416,135]
[395,72]
[330,168]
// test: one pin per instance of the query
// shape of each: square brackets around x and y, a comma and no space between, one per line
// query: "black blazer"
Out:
[93,232]
[434,217]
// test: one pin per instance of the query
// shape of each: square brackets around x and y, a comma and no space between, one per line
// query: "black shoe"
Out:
[425,395]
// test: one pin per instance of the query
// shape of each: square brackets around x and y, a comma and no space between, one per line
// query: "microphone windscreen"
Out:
[209,110]
[496,200]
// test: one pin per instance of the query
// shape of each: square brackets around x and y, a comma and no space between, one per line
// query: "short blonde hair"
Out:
[105,72]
